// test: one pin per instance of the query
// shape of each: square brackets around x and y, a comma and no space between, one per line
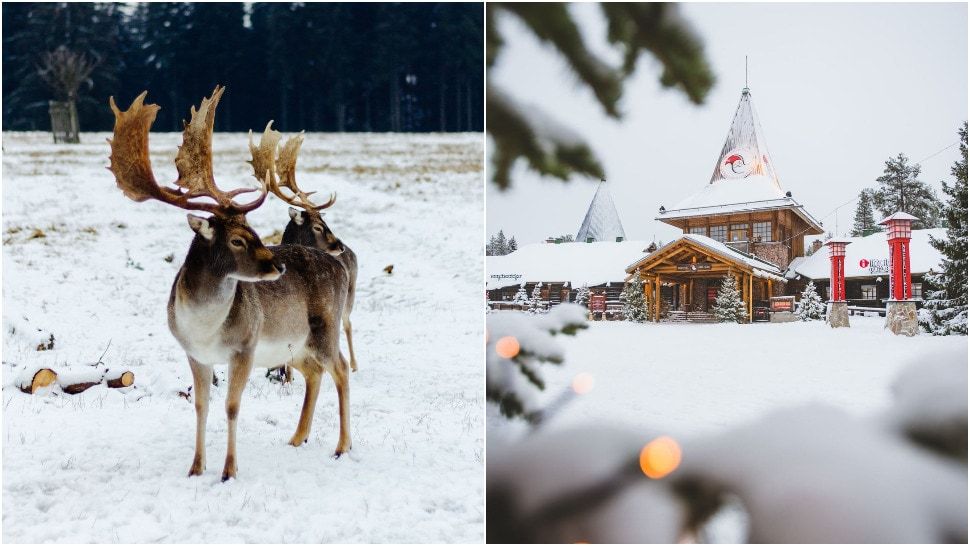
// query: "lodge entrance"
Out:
[684,277]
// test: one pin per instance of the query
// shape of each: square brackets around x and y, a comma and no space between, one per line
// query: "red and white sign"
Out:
[863,263]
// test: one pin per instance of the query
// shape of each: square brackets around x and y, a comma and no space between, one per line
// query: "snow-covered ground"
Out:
[92,268]
[696,379]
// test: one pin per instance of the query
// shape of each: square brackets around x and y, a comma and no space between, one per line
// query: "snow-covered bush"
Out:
[518,346]
[728,306]
[582,296]
[811,306]
[634,303]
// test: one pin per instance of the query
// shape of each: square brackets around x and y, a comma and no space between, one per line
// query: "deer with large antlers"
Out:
[235,300]
[306,226]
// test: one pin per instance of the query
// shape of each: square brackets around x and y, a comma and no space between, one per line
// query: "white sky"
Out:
[838,88]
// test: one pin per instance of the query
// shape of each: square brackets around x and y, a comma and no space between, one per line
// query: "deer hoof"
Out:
[198,467]
[296,441]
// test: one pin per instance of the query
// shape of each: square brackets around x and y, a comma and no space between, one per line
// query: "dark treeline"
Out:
[314,67]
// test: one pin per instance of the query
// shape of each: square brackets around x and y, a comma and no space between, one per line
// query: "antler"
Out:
[281,173]
[132,167]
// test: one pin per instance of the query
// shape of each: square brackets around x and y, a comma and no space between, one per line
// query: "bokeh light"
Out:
[582,383]
[507,347]
[660,457]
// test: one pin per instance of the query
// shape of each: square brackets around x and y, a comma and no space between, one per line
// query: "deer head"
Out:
[306,226]
[224,243]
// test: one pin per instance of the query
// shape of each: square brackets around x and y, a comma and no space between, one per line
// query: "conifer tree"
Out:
[512,246]
[635,307]
[728,306]
[864,223]
[945,309]
[901,190]
[521,296]
[535,302]
[811,306]
[582,296]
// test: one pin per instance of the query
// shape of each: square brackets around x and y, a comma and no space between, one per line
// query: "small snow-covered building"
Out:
[601,223]
[562,268]
[741,223]
[867,267]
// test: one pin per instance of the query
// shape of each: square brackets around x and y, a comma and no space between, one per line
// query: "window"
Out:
[739,232]
[868,291]
[719,233]
[701,230]
[762,231]
[917,291]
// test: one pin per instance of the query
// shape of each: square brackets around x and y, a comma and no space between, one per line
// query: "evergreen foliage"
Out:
[945,309]
[312,66]
[811,306]
[728,306]
[634,29]
[499,245]
[864,223]
[901,190]
[521,296]
[535,302]
[635,308]
[582,296]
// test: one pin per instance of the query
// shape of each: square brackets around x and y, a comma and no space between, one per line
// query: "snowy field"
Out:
[83,263]
[699,379]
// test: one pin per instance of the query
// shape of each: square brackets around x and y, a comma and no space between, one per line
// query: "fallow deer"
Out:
[235,300]
[306,226]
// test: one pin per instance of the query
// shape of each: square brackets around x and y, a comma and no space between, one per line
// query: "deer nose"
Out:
[279,265]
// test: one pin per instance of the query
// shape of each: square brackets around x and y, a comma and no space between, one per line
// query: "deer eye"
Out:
[318,229]
[237,242]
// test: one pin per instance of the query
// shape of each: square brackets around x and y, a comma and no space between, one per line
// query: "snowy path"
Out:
[688,379]
[107,466]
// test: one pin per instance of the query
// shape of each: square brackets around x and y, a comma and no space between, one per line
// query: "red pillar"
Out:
[899,232]
[837,271]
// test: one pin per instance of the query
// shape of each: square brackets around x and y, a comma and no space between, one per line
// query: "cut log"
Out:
[79,387]
[37,380]
[123,379]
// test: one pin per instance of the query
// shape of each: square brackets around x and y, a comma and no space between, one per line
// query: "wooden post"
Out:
[656,303]
[750,297]
[770,293]
[690,293]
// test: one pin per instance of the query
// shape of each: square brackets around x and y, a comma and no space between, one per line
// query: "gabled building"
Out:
[742,223]
[744,205]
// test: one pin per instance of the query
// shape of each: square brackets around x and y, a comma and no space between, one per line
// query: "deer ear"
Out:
[297,216]
[201,226]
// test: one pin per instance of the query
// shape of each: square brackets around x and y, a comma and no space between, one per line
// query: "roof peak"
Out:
[745,152]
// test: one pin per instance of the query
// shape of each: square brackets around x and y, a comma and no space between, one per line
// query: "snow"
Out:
[875,250]
[787,416]
[577,263]
[109,466]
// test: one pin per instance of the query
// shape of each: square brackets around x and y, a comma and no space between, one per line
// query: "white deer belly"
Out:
[272,352]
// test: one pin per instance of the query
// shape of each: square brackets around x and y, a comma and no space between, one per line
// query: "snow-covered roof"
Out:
[897,216]
[761,267]
[744,178]
[577,263]
[601,223]
[869,257]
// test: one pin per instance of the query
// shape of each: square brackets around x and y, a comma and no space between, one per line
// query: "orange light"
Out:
[660,457]
[582,383]
[507,347]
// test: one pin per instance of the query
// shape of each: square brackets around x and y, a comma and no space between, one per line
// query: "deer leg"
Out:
[350,342]
[240,367]
[341,379]
[312,374]
[201,379]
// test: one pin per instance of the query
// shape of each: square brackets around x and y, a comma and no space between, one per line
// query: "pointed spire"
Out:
[601,223]
[745,153]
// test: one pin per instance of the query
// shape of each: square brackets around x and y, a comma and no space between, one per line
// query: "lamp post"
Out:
[838,309]
[901,315]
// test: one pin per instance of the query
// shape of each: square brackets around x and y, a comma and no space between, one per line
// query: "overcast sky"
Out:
[838,89]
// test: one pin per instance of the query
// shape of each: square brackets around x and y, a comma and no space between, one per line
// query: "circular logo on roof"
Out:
[737,163]
[863,263]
